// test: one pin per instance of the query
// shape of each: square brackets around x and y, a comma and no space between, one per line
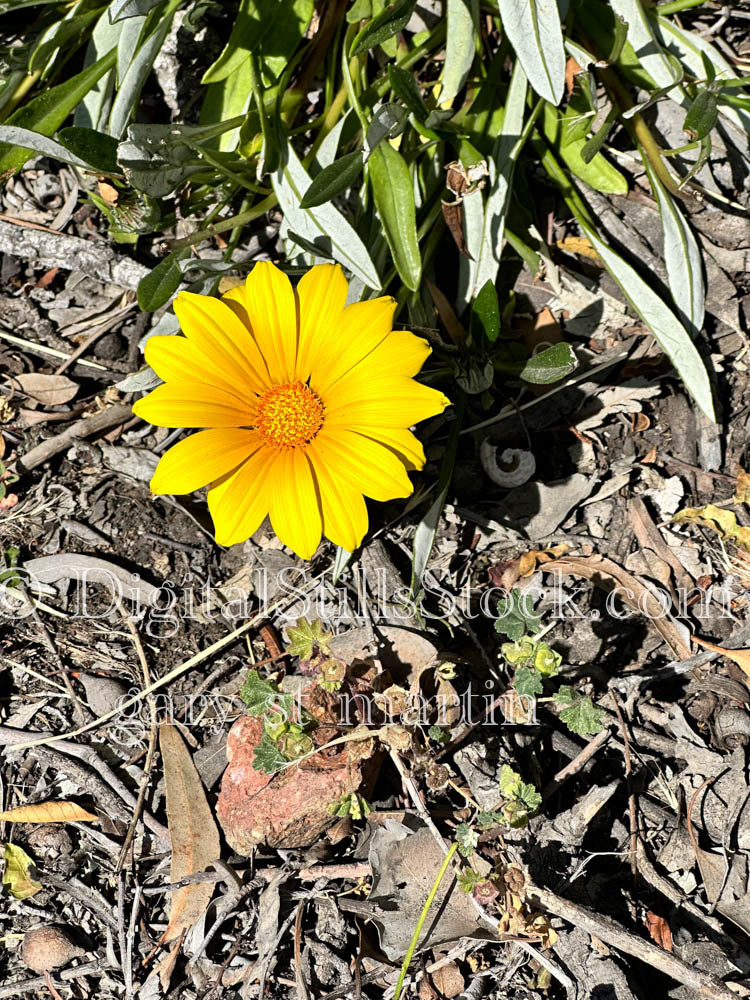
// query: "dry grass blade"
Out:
[195,837]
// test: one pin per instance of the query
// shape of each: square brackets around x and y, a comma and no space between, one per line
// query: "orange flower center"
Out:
[289,416]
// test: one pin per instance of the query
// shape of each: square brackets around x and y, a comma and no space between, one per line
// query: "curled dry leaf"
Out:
[50,390]
[635,593]
[194,834]
[16,875]
[659,930]
[49,812]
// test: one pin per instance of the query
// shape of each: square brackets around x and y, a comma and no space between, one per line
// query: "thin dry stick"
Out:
[633,816]
[92,338]
[611,933]
[578,762]
[152,738]
[112,417]
[302,991]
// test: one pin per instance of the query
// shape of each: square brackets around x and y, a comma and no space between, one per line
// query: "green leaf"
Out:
[394,199]
[550,365]
[40,145]
[486,311]
[333,180]
[323,223]
[270,28]
[439,734]
[702,115]
[120,9]
[598,172]
[682,257]
[160,284]
[580,715]
[47,112]
[527,682]
[258,694]
[388,122]
[96,148]
[508,781]
[129,88]
[16,875]
[388,23]
[533,29]
[461,31]
[308,638]
[505,152]
[489,819]
[546,660]
[268,757]
[671,335]
[405,87]
[516,616]
[467,839]
[518,652]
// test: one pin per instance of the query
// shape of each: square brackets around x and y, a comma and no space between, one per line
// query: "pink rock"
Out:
[288,809]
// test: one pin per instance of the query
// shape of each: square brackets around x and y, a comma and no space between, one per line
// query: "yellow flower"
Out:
[306,403]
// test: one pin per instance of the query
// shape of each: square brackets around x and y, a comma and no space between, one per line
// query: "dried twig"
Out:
[113,416]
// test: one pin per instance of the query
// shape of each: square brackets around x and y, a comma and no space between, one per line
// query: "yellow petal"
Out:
[194,404]
[401,353]
[218,333]
[202,458]
[239,502]
[368,466]
[176,359]
[407,447]
[344,508]
[321,294]
[295,508]
[272,311]
[389,401]
[360,328]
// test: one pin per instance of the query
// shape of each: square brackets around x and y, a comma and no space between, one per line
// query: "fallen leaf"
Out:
[405,865]
[740,656]
[49,812]
[107,192]
[16,873]
[658,928]
[447,314]
[742,493]
[47,278]
[607,575]
[720,520]
[572,69]
[51,390]
[193,831]
[578,245]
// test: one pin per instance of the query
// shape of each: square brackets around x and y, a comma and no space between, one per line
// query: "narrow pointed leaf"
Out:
[533,28]
[394,199]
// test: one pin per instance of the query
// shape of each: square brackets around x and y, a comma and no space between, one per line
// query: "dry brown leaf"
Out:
[607,575]
[739,656]
[51,390]
[49,812]
[742,493]
[659,930]
[447,314]
[193,831]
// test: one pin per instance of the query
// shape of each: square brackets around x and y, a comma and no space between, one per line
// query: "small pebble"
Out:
[48,948]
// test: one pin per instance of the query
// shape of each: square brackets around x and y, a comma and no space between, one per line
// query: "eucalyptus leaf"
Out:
[393,192]
[333,180]
[533,29]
